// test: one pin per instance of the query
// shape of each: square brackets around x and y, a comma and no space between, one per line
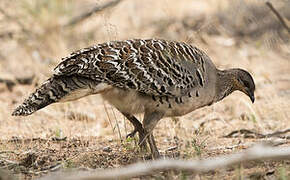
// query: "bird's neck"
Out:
[225,84]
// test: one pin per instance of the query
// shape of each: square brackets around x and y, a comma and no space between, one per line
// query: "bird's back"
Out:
[154,67]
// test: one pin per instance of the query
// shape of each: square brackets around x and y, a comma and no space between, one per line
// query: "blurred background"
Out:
[36,34]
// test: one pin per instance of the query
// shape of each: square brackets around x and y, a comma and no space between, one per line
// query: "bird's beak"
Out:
[251,96]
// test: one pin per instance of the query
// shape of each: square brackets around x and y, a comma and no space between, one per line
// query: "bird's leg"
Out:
[136,123]
[132,134]
[137,128]
[150,121]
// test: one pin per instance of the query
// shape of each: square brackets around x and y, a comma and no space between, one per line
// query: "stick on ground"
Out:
[256,153]
[280,18]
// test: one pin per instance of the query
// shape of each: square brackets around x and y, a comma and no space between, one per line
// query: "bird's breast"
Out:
[126,101]
[193,100]
[133,102]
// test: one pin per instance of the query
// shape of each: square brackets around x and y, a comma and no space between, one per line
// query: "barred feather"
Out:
[153,67]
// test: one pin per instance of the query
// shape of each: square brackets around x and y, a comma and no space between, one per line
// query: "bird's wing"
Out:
[153,67]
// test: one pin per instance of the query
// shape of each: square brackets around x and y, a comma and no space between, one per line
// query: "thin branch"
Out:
[251,134]
[85,15]
[280,18]
[7,34]
[117,124]
[107,113]
[11,83]
[258,152]
[4,152]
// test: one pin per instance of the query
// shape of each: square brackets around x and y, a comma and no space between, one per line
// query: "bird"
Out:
[155,77]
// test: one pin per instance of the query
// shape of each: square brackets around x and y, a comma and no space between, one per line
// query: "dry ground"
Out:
[89,133]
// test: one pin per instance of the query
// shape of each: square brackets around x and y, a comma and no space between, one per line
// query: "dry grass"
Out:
[32,42]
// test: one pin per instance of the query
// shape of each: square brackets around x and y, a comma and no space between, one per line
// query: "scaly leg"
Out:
[137,128]
[150,121]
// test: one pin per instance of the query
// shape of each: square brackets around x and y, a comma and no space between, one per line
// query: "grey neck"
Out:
[225,84]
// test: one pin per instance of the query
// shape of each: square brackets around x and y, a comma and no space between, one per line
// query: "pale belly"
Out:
[133,102]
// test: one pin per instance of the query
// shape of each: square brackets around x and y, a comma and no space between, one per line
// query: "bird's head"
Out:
[244,82]
[234,79]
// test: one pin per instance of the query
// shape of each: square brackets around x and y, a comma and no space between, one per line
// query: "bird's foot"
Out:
[131,134]
[154,150]
[156,155]
[148,138]
[142,138]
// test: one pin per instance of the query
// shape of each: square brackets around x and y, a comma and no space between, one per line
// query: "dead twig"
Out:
[107,113]
[6,152]
[251,134]
[96,9]
[236,146]
[201,125]
[8,163]
[7,34]
[11,83]
[256,153]
[16,139]
[280,18]
[246,134]
[59,139]
[117,125]
[278,133]
[25,80]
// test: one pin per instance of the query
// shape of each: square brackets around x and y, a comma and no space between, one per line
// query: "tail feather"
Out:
[53,90]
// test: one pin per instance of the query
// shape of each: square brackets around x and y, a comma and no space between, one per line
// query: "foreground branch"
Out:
[280,18]
[85,15]
[258,152]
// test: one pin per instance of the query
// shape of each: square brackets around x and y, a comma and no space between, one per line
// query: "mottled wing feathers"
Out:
[153,67]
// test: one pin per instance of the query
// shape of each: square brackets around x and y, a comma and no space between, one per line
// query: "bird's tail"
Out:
[56,89]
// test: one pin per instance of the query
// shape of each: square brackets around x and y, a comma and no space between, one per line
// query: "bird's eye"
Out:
[246,83]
